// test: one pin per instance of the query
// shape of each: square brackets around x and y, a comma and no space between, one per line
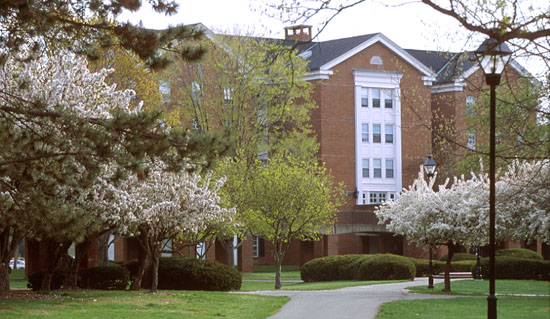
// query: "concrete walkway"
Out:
[352,302]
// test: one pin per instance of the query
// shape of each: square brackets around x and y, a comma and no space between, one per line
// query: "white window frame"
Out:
[365,132]
[374,168]
[255,246]
[386,168]
[386,135]
[367,168]
[374,135]
[471,140]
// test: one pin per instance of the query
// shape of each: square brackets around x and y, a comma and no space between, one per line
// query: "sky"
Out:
[412,25]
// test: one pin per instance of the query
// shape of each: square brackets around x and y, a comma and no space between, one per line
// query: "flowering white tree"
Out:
[455,214]
[459,213]
[163,205]
[523,192]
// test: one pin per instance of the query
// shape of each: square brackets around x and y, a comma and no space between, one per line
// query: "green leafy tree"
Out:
[250,91]
[284,200]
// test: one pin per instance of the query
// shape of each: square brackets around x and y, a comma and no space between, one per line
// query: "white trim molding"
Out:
[318,75]
[456,86]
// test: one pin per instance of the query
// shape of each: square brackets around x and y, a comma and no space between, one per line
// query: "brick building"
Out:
[379,109]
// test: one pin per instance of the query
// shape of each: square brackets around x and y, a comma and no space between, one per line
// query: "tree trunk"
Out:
[55,251]
[451,248]
[4,276]
[71,272]
[278,283]
[155,268]
[142,266]
[103,248]
[9,241]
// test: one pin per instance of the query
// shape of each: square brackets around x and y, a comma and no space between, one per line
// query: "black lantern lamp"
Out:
[492,56]
[429,167]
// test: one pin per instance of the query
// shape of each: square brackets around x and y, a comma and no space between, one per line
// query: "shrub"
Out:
[386,267]
[105,278]
[516,268]
[519,253]
[340,267]
[197,274]
[459,257]
[422,266]
[462,266]
[35,280]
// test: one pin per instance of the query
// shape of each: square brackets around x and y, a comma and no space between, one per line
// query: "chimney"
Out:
[298,33]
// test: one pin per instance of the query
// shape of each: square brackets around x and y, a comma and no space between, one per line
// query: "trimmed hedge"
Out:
[329,268]
[35,280]
[386,267]
[105,278]
[193,274]
[519,253]
[516,268]
[358,267]
[459,257]
[422,266]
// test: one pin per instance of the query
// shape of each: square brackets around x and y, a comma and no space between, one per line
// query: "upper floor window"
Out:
[365,167]
[389,168]
[165,91]
[364,97]
[389,133]
[376,133]
[377,165]
[388,101]
[470,103]
[471,140]
[365,132]
[375,97]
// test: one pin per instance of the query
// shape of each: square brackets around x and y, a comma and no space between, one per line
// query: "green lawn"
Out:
[271,268]
[481,287]
[462,308]
[120,304]
[17,279]
[287,275]
[324,285]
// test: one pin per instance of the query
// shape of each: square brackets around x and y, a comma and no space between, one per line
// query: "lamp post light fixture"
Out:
[429,167]
[492,56]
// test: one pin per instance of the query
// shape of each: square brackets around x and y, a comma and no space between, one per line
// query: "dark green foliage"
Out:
[87,27]
[105,278]
[462,266]
[358,267]
[193,274]
[422,266]
[386,267]
[516,268]
[35,280]
[459,257]
[519,253]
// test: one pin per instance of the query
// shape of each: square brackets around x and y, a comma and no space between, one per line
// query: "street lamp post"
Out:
[429,168]
[492,56]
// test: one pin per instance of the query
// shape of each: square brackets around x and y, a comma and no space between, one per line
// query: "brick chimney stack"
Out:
[298,33]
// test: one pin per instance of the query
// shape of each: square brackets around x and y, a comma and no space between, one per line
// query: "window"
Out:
[166,248]
[364,97]
[365,132]
[388,101]
[377,197]
[389,168]
[365,167]
[364,197]
[255,247]
[471,140]
[228,94]
[377,164]
[165,91]
[376,134]
[392,196]
[389,133]
[196,91]
[375,97]
[470,103]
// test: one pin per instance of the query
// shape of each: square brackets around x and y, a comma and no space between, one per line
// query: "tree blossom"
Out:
[163,205]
